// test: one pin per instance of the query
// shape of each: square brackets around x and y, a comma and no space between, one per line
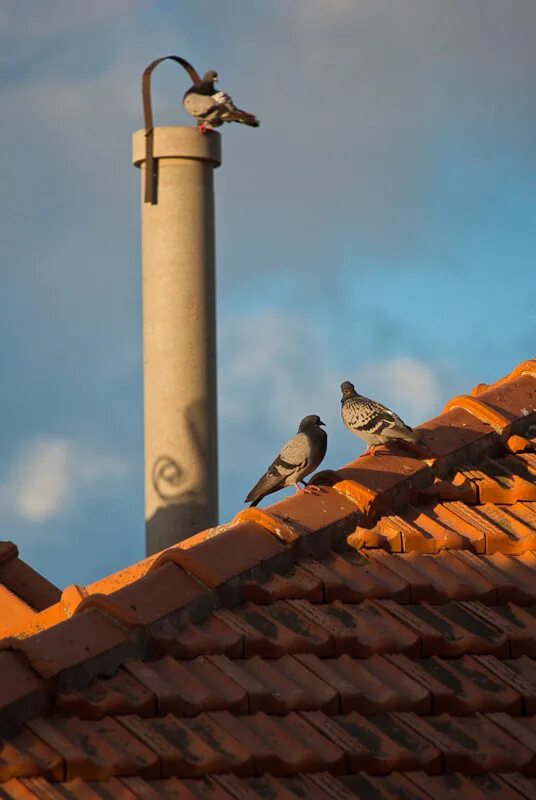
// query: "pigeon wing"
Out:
[371,417]
[198,105]
[291,460]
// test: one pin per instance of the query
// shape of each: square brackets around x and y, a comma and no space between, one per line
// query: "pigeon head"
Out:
[210,77]
[311,421]
[347,390]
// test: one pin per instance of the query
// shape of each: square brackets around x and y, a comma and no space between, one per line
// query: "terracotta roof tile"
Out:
[22,580]
[385,624]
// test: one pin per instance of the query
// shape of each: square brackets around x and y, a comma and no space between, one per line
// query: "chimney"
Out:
[179,326]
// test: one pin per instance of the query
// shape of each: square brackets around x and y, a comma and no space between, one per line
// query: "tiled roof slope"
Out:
[374,641]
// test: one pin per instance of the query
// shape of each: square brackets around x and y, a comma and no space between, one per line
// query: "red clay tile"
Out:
[117,580]
[449,578]
[165,591]
[205,788]
[479,787]
[450,630]
[328,515]
[298,583]
[25,582]
[498,484]
[417,531]
[517,673]
[275,525]
[40,621]
[501,587]
[481,410]
[353,576]
[266,787]
[22,692]
[382,482]
[515,399]
[518,444]
[458,437]
[282,685]
[88,642]
[285,745]
[473,744]
[96,750]
[456,488]
[522,577]
[320,786]
[505,532]
[8,551]
[118,694]
[14,612]
[525,368]
[276,630]
[191,748]
[188,687]
[27,755]
[464,685]
[244,788]
[229,553]
[378,744]
[523,731]
[419,586]
[517,624]
[440,526]
[526,787]
[29,789]
[366,629]
[369,685]
[385,787]
[189,640]
[441,517]
[76,789]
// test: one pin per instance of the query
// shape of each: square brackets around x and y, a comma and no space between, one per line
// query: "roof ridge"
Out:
[207,569]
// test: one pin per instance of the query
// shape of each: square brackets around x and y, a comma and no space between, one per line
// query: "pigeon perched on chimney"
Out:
[211,108]
[298,457]
[374,422]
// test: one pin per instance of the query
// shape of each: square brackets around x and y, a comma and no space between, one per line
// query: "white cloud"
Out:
[406,384]
[48,474]
[276,360]
[279,366]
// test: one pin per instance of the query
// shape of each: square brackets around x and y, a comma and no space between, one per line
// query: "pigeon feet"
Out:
[308,488]
[204,127]
[311,488]
[371,451]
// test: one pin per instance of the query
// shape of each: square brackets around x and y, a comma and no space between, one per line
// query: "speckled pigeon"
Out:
[211,108]
[374,422]
[298,457]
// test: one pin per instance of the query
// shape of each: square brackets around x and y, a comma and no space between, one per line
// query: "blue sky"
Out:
[379,226]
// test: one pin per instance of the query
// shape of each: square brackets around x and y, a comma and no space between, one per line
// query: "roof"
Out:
[376,640]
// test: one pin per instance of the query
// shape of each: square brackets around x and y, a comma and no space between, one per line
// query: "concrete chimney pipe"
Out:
[179,336]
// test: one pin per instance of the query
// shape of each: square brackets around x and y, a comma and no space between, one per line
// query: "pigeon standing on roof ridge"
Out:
[374,422]
[298,457]
[211,108]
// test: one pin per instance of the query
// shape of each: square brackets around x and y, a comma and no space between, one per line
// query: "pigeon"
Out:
[211,108]
[374,422]
[298,457]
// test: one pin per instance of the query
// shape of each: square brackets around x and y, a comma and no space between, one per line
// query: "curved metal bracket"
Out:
[151,165]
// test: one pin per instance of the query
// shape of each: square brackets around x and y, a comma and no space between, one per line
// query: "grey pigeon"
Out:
[298,457]
[211,108]
[374,422]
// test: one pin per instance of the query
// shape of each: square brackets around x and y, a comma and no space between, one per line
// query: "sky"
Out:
[379,227]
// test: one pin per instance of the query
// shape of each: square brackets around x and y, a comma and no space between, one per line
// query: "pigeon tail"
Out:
[265,486]
[244,117]
[415,439]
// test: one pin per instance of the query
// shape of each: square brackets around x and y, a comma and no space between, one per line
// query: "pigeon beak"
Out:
[322,423]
